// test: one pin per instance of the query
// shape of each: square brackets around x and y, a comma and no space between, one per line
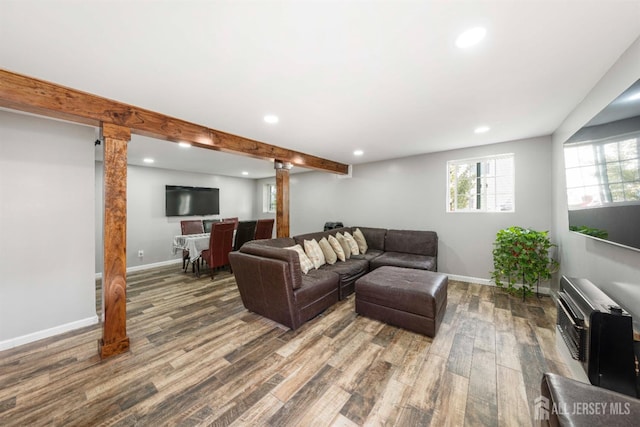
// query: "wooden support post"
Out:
[114,274]
[282,198]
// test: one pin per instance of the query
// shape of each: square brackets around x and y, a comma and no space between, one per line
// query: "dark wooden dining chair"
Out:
[191,226]
[232,219]
[264,229]
[207,223]
[246,232]
[220,244]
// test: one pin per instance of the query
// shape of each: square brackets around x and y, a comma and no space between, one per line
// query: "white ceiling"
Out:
[381,76]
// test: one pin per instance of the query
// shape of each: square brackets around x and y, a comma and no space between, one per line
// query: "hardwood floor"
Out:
[199,358]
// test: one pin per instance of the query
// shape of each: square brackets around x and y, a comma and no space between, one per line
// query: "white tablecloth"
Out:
[194,243]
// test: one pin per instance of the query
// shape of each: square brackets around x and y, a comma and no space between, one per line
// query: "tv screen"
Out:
[184,201]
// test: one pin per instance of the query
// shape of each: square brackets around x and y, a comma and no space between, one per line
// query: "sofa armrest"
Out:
[286,255]
[573,403]
[265,286]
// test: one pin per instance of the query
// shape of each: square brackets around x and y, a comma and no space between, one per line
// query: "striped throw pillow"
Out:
[315,254]
[305,262]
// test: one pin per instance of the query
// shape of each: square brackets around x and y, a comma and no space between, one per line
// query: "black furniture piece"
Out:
[332,225]
[599,333]
[245,233]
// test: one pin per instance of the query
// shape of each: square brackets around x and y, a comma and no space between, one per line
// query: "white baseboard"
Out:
[46,333]
[148,266]
[468,279]
[489,282]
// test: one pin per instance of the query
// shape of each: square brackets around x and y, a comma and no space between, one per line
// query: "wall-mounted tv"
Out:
[184,201]
[602,163]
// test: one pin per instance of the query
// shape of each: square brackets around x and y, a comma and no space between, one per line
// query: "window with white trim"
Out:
[269,198]
[603,172]
[484,184]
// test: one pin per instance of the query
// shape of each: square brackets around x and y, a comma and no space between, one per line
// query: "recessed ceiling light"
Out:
[482,129]
[358,153]
[245,173]
[148,160]
[270,118]
[470,37]
[184,144]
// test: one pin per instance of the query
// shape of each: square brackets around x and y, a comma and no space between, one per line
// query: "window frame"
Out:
[269,198]
[482,198]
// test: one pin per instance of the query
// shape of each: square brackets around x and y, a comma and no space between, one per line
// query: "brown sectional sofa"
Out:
[272,284]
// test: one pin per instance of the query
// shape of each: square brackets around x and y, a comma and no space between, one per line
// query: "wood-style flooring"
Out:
[199,358]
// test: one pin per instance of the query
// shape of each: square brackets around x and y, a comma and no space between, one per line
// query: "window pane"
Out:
[613,173]
[586,155]
[617,192]
[629,170]
[491,191]
[628,149]
[611,151]
[632,191]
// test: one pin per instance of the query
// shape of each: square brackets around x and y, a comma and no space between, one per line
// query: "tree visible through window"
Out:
[481,185]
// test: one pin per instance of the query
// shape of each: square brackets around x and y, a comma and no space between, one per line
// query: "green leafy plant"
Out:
[595,232]
[522,255]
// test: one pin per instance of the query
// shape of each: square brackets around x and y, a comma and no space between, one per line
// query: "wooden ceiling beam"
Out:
[19,92]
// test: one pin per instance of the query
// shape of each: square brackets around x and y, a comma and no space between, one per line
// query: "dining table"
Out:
[194,243]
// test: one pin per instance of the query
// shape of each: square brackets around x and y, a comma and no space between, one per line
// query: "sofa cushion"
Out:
[337,248]
[345,246]
[371,254]
[329,254]
[412,242]
[314,252]
[348,271]
[315,285]
[374,237]
[361,241]
[305,262]
[399,259]
[353,246]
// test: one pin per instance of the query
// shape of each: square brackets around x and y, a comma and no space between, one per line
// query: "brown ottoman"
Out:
[409,298]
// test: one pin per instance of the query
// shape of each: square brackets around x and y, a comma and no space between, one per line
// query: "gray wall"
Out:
[148,228]
[614,269]
[47,283]
[410,193]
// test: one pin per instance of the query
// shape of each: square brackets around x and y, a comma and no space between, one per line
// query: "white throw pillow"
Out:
[337,248]
[362,242]
[329,254]
[314,252]
[352,244]
[344,244]
[305,262]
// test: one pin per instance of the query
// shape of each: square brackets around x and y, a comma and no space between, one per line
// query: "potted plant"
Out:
[522,254]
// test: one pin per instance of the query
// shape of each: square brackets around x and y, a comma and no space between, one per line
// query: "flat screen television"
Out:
[602,163]
[185,201]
